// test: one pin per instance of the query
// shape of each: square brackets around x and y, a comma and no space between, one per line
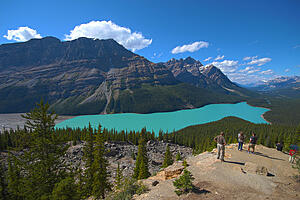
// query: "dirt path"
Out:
[235,178]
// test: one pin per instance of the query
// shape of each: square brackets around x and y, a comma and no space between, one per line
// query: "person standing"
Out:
[241,141]
[220,146]
[252,142]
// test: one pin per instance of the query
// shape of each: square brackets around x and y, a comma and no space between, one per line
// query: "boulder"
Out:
[170,172]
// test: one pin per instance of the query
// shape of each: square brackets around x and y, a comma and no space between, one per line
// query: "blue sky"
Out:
[248,40]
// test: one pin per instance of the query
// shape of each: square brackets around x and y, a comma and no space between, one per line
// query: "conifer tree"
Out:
[119,177]
[184,183]
[141,170]
[14,179]
[40,164]
[88,157]
[3,194]
[66,189]
[100,184]
[178,156]
[168,158]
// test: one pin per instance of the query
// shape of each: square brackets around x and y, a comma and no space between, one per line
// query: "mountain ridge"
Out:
[88,76]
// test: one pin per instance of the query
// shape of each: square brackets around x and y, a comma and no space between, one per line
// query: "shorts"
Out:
[252,146]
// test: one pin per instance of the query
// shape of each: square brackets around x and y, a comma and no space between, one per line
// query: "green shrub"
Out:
[184,183]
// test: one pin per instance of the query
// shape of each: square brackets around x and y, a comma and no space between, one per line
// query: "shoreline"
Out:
[262,116]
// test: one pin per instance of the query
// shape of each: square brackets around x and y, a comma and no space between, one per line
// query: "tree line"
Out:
[35,169]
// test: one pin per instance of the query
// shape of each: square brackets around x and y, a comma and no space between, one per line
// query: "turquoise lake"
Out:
[168,121]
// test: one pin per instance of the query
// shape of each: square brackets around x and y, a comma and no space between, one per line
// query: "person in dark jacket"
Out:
[252,142]
[279,146]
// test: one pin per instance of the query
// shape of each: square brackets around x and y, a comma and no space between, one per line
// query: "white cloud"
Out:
[227,66]
[287,70]
[22,34]
[253,71]
[109,30]
[259,62]
[267,72]
[249,58]
[190,47]
[207,59]
[219,57]
[246,69]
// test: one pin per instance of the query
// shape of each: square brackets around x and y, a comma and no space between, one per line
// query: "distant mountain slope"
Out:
[280,87]
[87,76]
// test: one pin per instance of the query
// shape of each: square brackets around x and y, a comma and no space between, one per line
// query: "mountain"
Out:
[285,86]
[191,71]
[88,76]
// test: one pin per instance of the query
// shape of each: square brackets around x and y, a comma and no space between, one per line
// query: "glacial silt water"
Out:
[168,121]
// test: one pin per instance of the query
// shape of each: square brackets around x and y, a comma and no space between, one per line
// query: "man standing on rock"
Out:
[252,142]
[220,146]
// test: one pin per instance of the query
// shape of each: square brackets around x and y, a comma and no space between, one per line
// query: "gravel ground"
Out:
[13,120]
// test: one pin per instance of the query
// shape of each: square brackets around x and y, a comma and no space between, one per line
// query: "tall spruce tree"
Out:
[168,158]
[141,170]
[40,164]
[88,158]
[100,184]
[119,177]
[3,194]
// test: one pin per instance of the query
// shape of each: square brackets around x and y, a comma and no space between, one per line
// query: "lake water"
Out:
[168,121]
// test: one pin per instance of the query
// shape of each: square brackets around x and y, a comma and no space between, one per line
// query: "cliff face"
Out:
[79,73]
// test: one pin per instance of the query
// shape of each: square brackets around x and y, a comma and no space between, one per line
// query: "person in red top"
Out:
[292,155]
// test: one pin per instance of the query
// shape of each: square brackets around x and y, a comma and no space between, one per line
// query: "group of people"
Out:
[220,139]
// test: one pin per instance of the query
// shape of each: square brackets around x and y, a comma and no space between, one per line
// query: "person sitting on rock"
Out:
[241,140]
[279,146]
[220,146]
[252,142]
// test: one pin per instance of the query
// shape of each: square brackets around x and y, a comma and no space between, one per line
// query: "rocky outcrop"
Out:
[266,174]
[122,153]
[169,172]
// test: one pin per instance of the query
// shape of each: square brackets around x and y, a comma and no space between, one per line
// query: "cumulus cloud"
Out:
[219,57]
[267,72]
[227,66]
[259,62]
[109,30]
[207,59]
[190,47]
[22,34]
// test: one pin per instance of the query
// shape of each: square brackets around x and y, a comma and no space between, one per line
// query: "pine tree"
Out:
[184,183]
[119,177]
[100,184]
[168,158]
[41,165]
[14,179]
[185,163]
[66,189]
[88,157]
[141,170]
[3,194]
[178,156]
